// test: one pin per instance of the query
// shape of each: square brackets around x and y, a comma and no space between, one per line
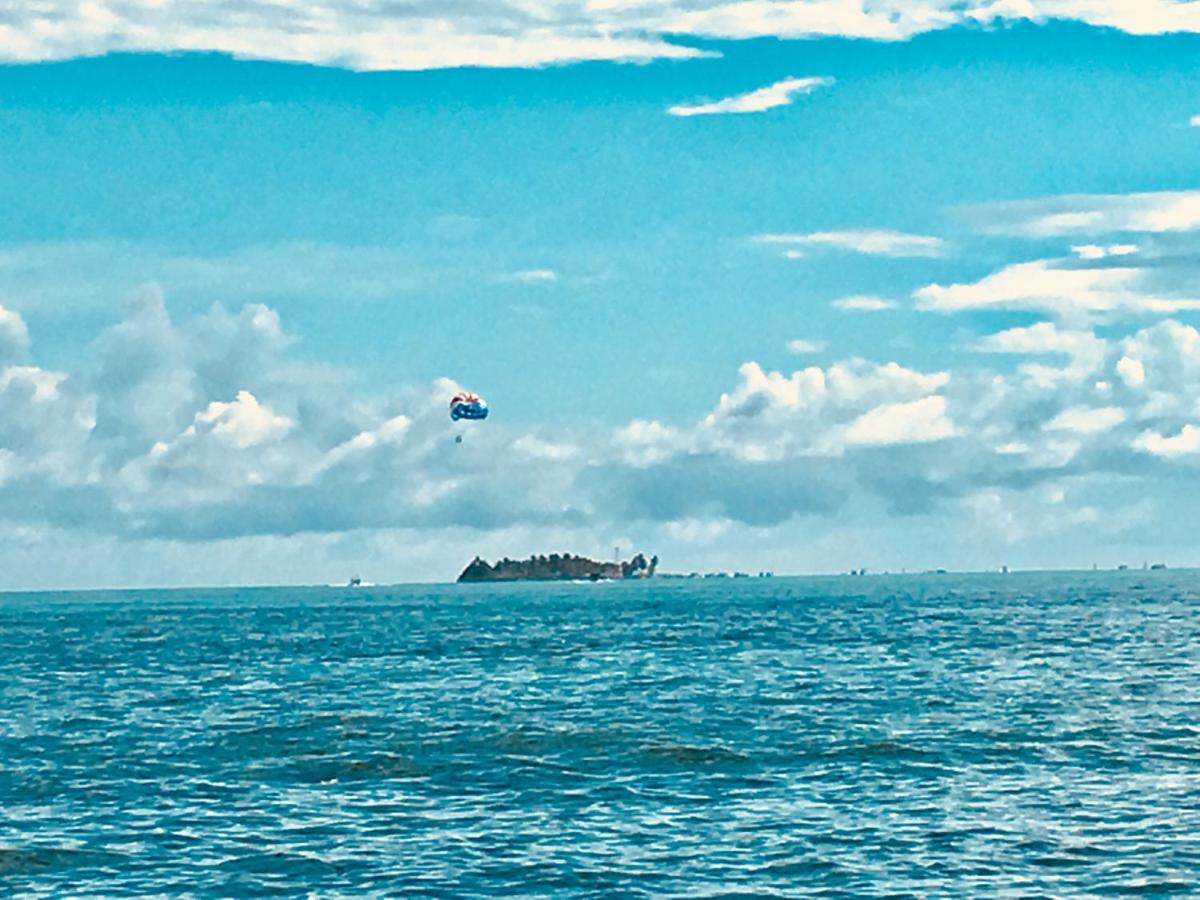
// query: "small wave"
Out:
[695,756]
[26,860]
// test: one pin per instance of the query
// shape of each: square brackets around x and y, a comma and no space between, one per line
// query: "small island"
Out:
[558,567]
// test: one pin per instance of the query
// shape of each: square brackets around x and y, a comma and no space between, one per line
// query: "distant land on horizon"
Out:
[365,584]
[558,567]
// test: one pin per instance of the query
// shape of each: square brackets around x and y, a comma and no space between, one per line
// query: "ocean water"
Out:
[917,735]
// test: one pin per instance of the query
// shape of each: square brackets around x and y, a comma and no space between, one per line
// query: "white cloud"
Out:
[427,34]
[877,242]
[536,448]
[14,338]
[334,32]
[204,432]
[1093,251]
[1042,337]
[698,531]
[1132,372]
[781,93]
[1186,442]
[802,346]
[1086,420]
[899,19]
[1103,279]
[390,432]
[241,423]
[1194,121]
[1077,214]
[798,389]
[819,412]
[44,384]
[532,276]
[918,421]
[1016,516]
[1084,351]
[644,442]
[862,303]
[1068,292]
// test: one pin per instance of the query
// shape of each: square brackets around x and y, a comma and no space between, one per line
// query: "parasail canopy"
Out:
[465,405]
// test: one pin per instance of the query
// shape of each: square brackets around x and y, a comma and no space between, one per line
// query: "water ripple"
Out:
[873,737]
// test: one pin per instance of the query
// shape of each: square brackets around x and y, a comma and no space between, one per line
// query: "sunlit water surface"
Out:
[924,735]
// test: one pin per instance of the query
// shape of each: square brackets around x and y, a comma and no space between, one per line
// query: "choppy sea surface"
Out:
[919,735]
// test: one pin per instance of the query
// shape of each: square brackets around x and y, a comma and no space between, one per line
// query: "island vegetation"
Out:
[558,567]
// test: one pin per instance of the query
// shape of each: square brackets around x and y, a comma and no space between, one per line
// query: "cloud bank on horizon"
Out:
[208,432]
[428,34]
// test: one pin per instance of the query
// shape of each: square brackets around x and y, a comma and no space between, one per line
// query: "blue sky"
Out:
[902,302]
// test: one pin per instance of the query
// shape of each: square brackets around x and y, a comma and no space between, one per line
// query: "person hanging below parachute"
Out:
[465,405]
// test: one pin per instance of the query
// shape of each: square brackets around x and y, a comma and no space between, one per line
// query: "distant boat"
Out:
[355,582]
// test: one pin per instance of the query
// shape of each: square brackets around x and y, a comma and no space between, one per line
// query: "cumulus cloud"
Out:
[1131,371]
[642,442]
[821,411]
[14,337]
[1187,441]
[781,93]
[1083,351]
[876,242]
[241,423]
[1159,366]
[915,422]
[205,429]
[426,34]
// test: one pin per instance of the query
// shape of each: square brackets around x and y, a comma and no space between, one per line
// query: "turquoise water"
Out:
[1021,734]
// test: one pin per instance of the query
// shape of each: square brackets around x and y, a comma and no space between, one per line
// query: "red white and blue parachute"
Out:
[465,405]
